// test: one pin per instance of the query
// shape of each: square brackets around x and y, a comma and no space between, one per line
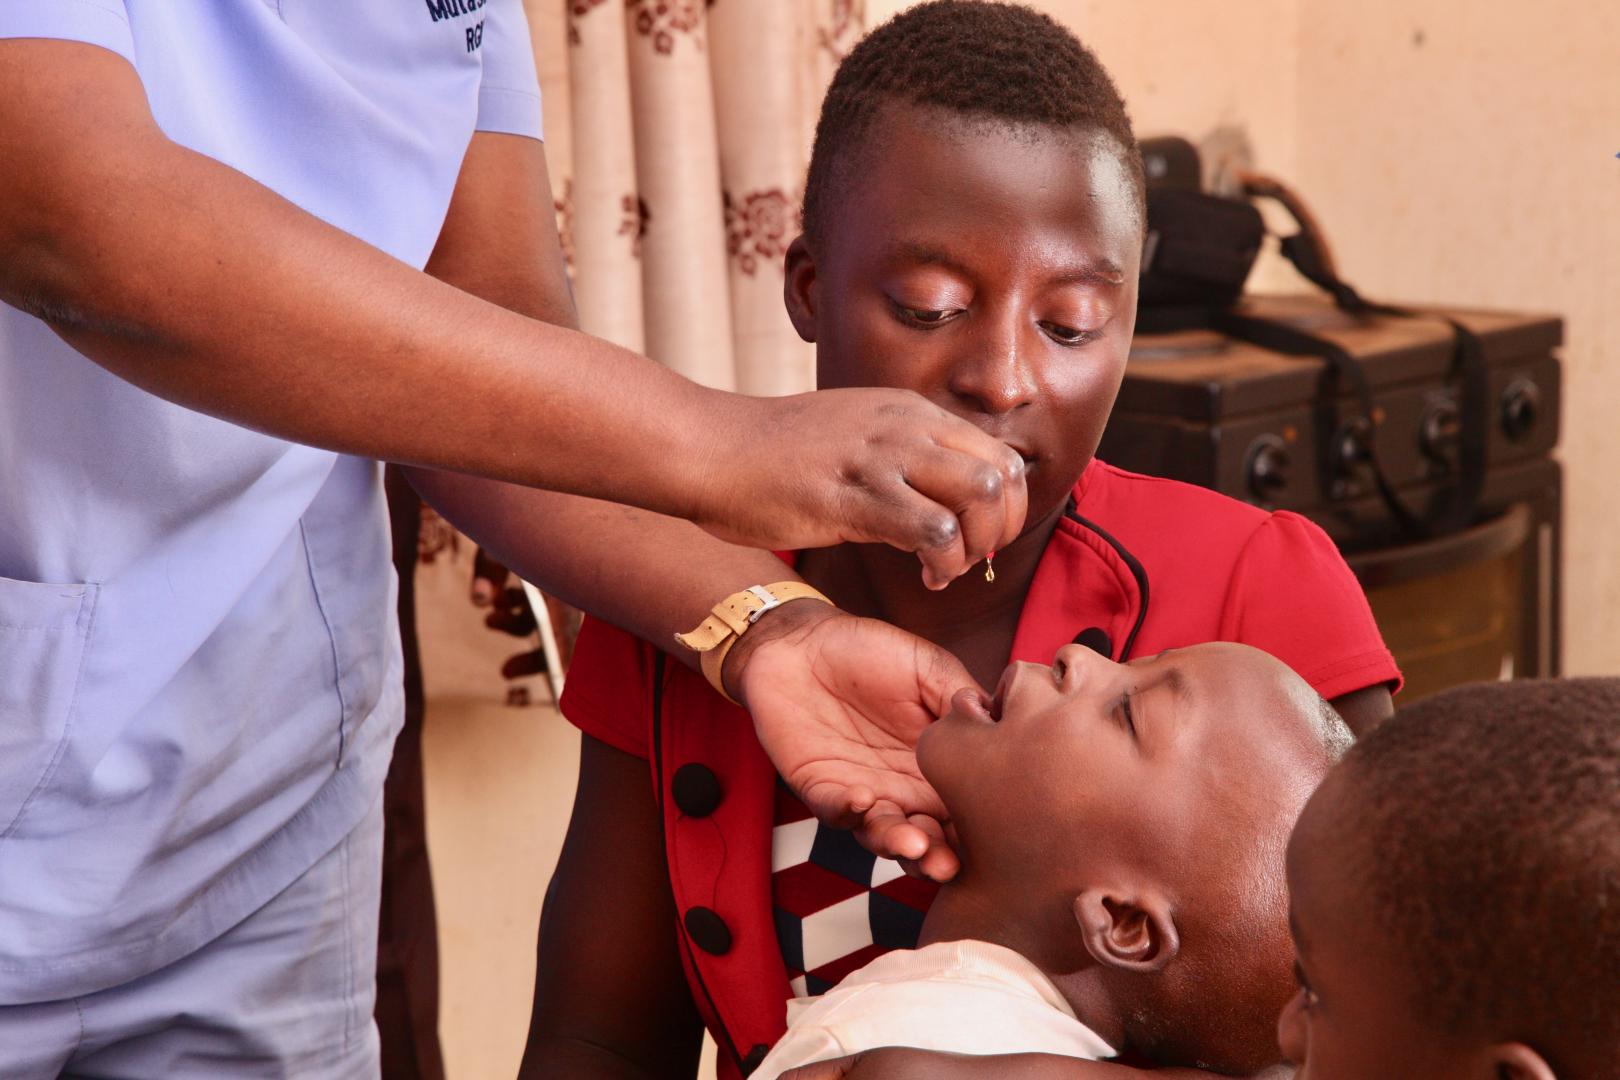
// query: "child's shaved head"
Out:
[990,61]
[1476,840]
[1126,823]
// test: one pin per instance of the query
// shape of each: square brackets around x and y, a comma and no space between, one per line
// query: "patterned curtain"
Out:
[677,133]
[677,136]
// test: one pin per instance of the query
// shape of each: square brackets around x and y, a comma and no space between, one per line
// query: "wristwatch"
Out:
[730,619]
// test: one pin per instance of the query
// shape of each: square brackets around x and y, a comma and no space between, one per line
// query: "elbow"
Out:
[72,257]
[43,273]
[55,279]
[28,280]
[76,130]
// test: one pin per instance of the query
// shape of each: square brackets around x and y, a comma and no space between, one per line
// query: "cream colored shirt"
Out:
[963,997]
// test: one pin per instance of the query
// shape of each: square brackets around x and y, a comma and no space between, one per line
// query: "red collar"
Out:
[1086,581]
[1087,584]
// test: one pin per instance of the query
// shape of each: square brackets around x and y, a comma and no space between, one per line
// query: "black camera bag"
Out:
[1197,253]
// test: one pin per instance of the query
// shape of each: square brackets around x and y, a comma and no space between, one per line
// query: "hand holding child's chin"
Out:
[905,1063]
[838,703]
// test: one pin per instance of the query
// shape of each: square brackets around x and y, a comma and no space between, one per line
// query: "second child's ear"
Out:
[1516,1061]
[800,289]
[1127,931]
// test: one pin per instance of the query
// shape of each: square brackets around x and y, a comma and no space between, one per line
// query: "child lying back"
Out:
[1121,830]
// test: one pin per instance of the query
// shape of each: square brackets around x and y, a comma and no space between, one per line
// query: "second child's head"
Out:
[1455,893]
[1130,821]
[973,230]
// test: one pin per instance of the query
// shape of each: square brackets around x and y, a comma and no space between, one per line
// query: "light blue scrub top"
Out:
[199,658]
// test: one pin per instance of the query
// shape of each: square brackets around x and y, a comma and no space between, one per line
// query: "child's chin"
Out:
[936,747]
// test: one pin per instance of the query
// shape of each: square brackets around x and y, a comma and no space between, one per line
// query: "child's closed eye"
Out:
[1127,715]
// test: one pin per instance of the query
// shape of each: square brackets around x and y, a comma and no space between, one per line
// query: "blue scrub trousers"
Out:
[288,992]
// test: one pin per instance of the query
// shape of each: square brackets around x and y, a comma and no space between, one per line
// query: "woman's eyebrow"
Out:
[928,255]
[1099,273]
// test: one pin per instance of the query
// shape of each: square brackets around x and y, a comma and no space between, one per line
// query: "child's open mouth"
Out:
[999,699]
[972,703]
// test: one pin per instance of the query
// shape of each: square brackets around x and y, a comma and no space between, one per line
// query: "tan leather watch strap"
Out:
[730,619]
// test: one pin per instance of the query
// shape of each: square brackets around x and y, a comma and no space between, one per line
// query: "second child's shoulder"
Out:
[1152,511]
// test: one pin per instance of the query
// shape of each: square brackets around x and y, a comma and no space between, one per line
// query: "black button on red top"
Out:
[754,1058]
[708,930]
[1097,640]
[696,790]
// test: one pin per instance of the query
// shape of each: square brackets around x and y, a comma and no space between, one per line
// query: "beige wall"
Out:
[1465,153]
[1457,151]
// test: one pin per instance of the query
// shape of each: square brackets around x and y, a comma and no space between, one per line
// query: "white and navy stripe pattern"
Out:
[837,907]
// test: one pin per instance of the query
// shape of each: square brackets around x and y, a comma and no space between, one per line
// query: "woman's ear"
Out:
[800,288]
[1127,931]
[1516,1061]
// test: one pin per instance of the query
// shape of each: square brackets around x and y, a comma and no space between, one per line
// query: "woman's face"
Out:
[989,267]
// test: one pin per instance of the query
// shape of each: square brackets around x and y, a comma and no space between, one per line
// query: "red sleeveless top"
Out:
[770,905]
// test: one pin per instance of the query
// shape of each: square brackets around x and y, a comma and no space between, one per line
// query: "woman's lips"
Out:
[1030,458]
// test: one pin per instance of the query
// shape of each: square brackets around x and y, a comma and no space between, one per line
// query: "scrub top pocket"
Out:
[43,631]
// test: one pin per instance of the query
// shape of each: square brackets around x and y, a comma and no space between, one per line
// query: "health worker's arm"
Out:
[1364,709]
[837,701]
[198,284]
[898,1063]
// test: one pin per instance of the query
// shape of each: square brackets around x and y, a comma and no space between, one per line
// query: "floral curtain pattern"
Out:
[677,137]
[678,132]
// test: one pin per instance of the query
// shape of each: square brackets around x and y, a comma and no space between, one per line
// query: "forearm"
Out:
[1363,710]
[585,1061]
[1047,1067]
[651,575]
[195,283]
[610,994]
[900,1063]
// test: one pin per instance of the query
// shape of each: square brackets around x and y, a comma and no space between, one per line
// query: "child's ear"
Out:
[1126,930]
[801,289]
[1516,1061]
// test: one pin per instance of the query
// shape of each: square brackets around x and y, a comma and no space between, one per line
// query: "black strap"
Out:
[1342,368]
[1452,508]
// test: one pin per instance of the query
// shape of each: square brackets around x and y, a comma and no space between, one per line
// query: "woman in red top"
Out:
[973,226]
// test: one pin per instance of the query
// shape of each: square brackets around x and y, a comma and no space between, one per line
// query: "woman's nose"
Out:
[991,374]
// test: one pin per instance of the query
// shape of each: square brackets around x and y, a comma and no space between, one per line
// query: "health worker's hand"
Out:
[861,465]
[903,1063]
[838,702]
